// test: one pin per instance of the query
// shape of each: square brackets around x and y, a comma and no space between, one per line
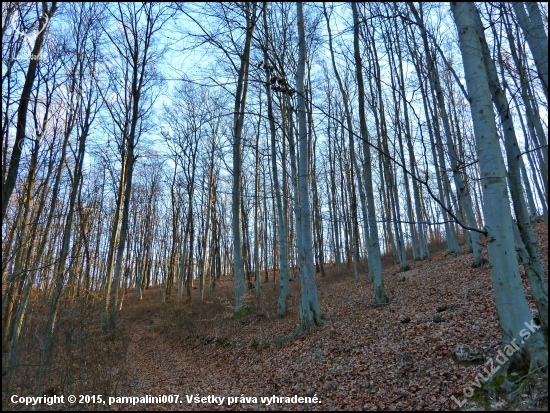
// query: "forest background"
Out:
[223,147]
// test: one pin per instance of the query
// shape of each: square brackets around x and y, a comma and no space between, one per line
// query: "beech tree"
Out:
[498,223]
[375,264]
[310,313]
[238,122]
[183,147]
[281,211]
[135,54]
[531,256]
[533,29]
[8,183]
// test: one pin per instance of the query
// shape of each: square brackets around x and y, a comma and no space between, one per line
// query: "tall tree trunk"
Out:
[284,289]
[333,204]
[437,90]
[533,29]
[238,122]
[533,122]
[287,114]
[310,313]
[460,185]
[353,157]
[206,237]
[420,229]
[16,276]
[13,170]
[257,210]
[398,87]
[266,262]
[510,300]
[532,261]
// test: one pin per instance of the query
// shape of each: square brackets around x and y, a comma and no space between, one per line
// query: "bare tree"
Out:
[135,54]
[310,313]
[375,264]
[11,176]
[510,300]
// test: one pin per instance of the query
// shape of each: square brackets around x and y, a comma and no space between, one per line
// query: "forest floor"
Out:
[401,356]
[396,357]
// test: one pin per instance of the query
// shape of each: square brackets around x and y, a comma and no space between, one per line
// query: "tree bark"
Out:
[510,300]
[310,313]
[532,261]
[13,170]
[238,122]
[533,29]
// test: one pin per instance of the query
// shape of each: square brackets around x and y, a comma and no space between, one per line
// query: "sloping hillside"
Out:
[399,356]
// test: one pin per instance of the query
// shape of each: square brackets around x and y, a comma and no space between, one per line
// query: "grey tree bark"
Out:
[511,304]
[284,289]
[257,211]
[373,246]
[335,218]
[461,188]
[532,261]
[238,122]
[536,132]
[533,29]
[353,157]
[310,313]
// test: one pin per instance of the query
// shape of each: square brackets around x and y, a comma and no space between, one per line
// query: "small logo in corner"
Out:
[30,39]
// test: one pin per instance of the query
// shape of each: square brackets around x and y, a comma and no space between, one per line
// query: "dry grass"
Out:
[84,359]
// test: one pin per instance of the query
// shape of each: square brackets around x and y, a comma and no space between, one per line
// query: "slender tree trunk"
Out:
[437,90]
[353,157]
[266,262]
[284,289]
[16,277]
[532,261]
[310,313]
[294,160]
[238,122]
[533,29]
[335,216]
[460,185]
[9,184]
[257,211]
[535,128]
[510,300]
[206,239]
